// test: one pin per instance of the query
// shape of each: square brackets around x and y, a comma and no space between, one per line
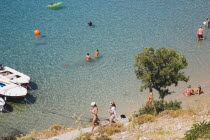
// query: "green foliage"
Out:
[198,131]
[172,105]
[160,106]
[148,109]
[160,69]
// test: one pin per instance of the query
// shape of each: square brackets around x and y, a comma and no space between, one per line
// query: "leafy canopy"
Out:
[160,69]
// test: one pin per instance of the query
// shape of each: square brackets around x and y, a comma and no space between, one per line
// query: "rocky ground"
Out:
[168,126]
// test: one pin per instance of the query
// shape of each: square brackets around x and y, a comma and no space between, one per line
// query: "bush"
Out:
[159,106]
[198,131]
[145,118]
[172,105]
[148,109]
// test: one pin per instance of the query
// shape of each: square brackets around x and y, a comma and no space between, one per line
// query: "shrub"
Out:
[172,105]
[145,118]
[198,131]
[159,106]
[148,109]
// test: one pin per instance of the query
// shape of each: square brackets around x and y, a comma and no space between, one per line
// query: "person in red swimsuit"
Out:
[200,33]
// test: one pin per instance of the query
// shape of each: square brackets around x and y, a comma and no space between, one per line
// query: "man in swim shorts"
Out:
[200,33]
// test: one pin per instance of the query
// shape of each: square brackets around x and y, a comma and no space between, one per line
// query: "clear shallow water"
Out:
[122,29]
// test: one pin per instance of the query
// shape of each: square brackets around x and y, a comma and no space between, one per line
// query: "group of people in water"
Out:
[94,110]
[200,30]
[96,54]
[192,91]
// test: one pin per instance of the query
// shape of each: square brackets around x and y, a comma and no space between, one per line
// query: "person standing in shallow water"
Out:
[96,53]
[112,111]
[94,111]
[200,33]
[87,57]
[150,97]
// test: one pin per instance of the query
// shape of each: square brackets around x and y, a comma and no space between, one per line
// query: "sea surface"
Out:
[64,83]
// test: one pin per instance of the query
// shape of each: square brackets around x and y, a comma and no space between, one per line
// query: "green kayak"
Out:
[55,5]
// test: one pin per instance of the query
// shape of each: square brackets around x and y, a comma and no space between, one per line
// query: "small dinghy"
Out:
[14,76]
[11,90]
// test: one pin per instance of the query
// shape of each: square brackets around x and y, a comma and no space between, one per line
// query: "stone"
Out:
[143,138]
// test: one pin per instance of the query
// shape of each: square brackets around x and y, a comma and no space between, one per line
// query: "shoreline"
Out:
[198,104]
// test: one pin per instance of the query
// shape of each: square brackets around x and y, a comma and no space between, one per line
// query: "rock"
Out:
[143,138]
[97,134]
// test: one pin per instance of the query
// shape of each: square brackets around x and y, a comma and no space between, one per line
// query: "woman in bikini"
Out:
[197,90]
[150,97]
[112,111]
[94,111]
[188,91]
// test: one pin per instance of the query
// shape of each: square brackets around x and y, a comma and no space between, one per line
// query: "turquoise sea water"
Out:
[122,29]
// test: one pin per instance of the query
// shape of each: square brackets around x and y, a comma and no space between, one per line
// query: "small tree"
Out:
[160,69]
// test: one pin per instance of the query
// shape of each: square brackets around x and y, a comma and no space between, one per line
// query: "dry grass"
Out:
[102,131]
[30,136]
[113,128]
[145,118]
[54,130]
[190,112]
[85,136]
[178,113]
[172,113]
[103,137]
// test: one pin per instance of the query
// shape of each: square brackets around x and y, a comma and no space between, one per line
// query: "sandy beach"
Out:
[173,128]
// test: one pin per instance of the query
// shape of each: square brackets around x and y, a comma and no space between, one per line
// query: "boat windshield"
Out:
[2,85]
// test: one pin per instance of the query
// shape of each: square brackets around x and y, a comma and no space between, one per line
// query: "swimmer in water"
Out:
[96,53]
[90,23]
[87,57]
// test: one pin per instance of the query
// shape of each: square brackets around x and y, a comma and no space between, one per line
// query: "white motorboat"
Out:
[11,90]
[14,76]
[2,103]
